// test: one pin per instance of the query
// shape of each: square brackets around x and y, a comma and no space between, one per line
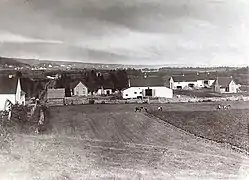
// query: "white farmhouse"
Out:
[79,89]
[10,89]
[146,87]
[191,81]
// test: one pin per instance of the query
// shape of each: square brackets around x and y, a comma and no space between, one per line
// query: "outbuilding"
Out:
[225,85]
[146,87]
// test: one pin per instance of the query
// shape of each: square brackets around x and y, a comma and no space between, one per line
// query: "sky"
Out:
[145,32]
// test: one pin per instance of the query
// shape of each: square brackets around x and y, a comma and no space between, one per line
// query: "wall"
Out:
[184,84]
[105,91]
[130,92]
[210,82]
[163,92]
[200,83]
[232,87]
[80,90]
[3,98]
[223,90]
[156,91]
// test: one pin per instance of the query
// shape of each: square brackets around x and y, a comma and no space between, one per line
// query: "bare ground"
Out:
[114,142]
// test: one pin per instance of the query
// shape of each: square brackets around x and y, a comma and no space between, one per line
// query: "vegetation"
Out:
[222,126]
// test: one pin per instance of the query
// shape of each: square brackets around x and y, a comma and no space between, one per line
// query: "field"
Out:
[226,126]
[113,142]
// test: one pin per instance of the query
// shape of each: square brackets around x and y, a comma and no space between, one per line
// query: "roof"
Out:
[8,85]
[148,81]
[75,83]
[193,77]
[56,93]
[224,81]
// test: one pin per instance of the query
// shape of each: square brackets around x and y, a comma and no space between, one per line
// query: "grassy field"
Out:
[114,142]
[226,126]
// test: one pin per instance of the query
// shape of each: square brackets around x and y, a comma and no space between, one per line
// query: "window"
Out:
[126,95]
[205,82]
[141,92]
[135,92]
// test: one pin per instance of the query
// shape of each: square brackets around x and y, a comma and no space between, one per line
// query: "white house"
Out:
[103,91]
[79,89]
[191,81]
[10,89]
[225,85]
[146,87]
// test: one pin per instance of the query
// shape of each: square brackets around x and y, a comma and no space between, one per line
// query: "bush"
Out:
[102,102]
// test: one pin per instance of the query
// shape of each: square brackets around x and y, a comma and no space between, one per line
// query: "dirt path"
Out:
[118,145]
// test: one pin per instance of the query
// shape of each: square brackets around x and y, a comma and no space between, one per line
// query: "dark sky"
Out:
[184,32]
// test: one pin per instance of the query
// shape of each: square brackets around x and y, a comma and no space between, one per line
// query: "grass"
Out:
[113,142]
[222,126]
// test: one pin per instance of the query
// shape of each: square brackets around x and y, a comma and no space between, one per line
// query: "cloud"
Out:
[131,31]
[6,37]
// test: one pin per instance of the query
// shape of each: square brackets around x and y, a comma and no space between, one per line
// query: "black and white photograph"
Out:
[124,89]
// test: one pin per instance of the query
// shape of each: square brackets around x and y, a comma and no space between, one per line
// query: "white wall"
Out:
[130,92]
[133,92]
[198,84]
[105,91]
[163,92]
[232,87]
[4,97]
[210,82]
[184,84]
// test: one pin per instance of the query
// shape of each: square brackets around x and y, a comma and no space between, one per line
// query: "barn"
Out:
[197,81]
[146,87]
[225,85]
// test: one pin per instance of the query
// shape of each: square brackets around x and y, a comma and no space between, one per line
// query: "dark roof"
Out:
[224,81]
[144,82]
[8,85]
[56,93]
[192,77]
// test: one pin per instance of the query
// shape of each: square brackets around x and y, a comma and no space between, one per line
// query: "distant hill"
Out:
[12,61]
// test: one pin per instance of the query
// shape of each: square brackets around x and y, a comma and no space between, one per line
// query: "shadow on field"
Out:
[221,126]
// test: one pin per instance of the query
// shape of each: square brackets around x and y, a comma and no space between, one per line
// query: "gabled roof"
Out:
[148,81]
[8,85]
[224,81]
[192,77]
[75,83]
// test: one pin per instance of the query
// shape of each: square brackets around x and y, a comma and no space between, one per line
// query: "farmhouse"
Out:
[146,87]
[225,85]
[196,81]
[11,90]
[79,89]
